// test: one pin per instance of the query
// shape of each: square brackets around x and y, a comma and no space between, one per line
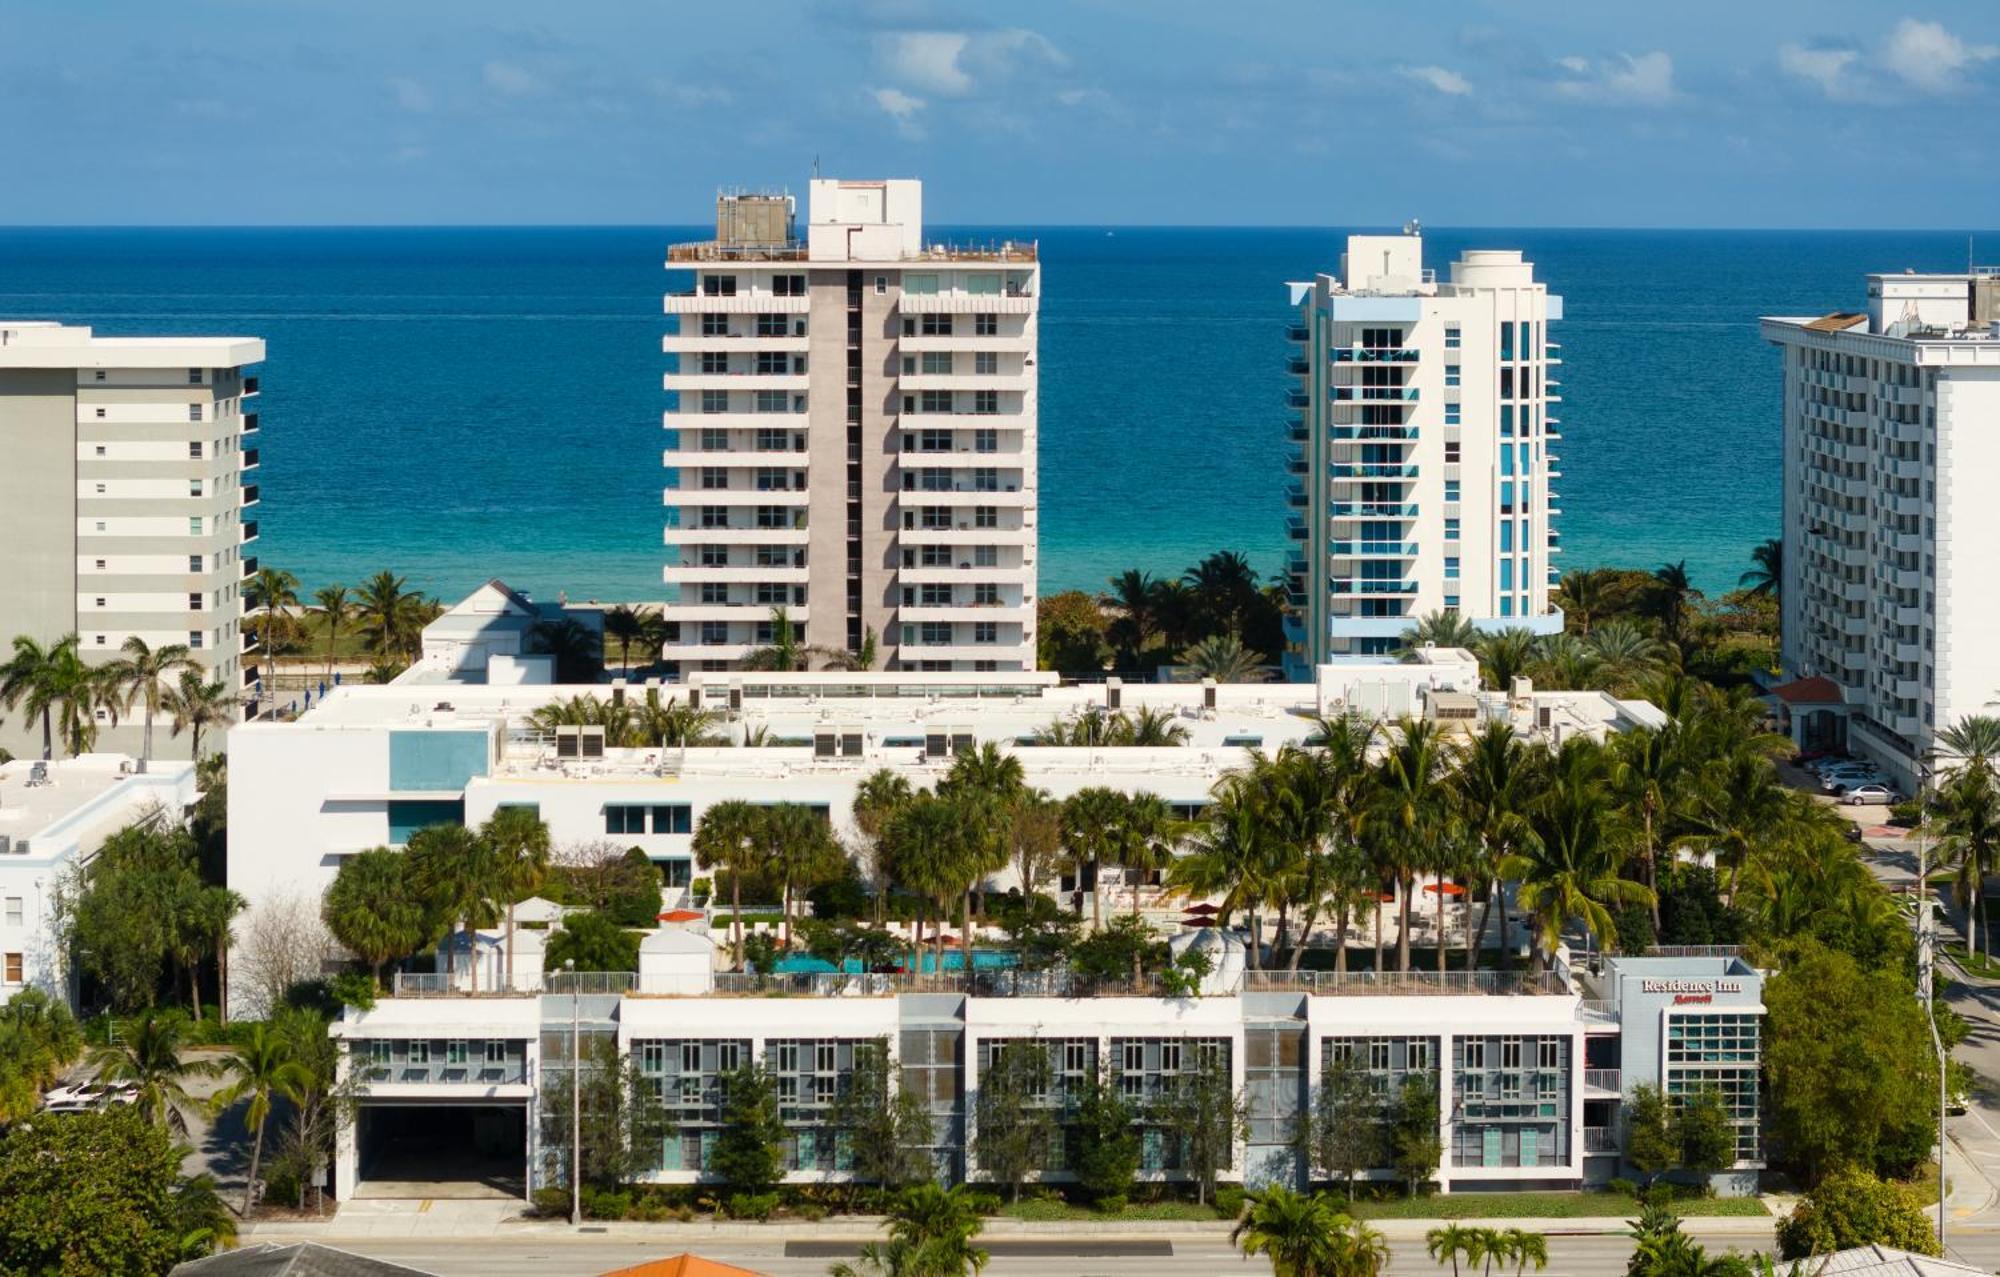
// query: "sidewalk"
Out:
[461,1220]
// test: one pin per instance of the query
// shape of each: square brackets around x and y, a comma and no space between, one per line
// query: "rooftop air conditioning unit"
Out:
[592,741]
[569,743]
[1114,693]
[1208,694]
[617,691]
[1545,716]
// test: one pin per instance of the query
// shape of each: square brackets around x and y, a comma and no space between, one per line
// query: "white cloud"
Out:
[928,60]
[1828,68]
[511,80]
[690,95]
[901,107]
[1930,58]
[1445,81]
[1646,79]
[410,95]
[956,63]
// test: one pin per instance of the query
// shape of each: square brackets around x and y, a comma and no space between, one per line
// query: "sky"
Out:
[1757,113]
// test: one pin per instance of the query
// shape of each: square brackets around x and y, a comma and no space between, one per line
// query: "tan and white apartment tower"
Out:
[127,501]
[1421,441]
[851,435]
[1888,603]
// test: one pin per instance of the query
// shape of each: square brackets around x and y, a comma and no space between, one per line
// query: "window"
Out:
[194,450]
[718,285]
[496,1051]
[194,563]
[13,911]
[1451,567]
[1451,375]
[985,632]
[194,601]
[986,325]
[714,362]
[1451,415]
[920,285]
[986,516]
[713,401]
[194,412]
[458,1051]
[194,639]
[624,820]
[1474,1048]
[194,376]
[936,363]
[194,487]
[14,973]
[673,818]
[1451,338]
[986,402]
[1548,1053]
[1451,451]
[100,449]
[100,374]
[418,1052]
[935,325]
[714,477]
[986,363]
[1451,490]
[713,325]
[100,602]
[788,285]
[770,325]
[1510,1053]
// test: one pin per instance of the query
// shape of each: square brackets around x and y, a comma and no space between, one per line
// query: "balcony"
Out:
[1296,428]
[249,530]
[251,386]
[1371,587]
[1367,393]
[1603,1081]
[1375,549]
[1297,366]
[1295,496]
[1295,526]
[1368,470]
[251,458]
[433,1070]
[249,494]
[1297,399]
[249,568]
[1373,510]
[1357,355]
[249,423]
[1394,434]
[1297,333]
[1600,1139]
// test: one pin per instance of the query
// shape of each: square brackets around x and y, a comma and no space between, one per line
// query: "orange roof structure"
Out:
[683,1265]
[1810,691]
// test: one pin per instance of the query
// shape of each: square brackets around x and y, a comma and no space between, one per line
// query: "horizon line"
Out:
[1326,228]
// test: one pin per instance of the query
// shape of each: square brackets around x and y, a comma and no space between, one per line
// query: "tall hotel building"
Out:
[1891,457]
[127,502]
[851,436]
[1420,449]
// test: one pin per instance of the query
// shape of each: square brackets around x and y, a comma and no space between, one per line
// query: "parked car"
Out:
[1861,795]
[1836,781]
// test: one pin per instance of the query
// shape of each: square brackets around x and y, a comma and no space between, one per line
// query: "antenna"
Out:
[815,167]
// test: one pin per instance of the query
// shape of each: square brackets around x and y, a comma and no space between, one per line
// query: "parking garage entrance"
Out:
[442,1150]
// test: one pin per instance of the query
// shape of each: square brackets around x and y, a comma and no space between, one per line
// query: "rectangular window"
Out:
[1451,375]
[624,820]
[673,818]
[13,911]
[194,376]
[1507,421]
[1452,451]
[194,563]
[788,285]
[194,450]
[1451,529]
[1506,572]
[194,412]
[14,973]
[1506,538]
[194,639]
[1451,338]
[1451,568]
[1451,415]
[986,325]
[714,401]
[1451,490]
[985,363]
[985,632]
[718,285]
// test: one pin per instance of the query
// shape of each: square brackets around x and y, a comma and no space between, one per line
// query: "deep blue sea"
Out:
[457,404]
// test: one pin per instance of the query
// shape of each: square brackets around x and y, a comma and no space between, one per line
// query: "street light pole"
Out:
[576,1103]
[1926,970]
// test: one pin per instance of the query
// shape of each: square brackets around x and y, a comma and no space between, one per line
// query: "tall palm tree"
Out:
[1505,656]
[931,851]
[1225,586]
[383,607]
[1571,869]
[876,799]
[622,624]
[1437,629]
[988,769]
[27,677]
[1973,740]
[1414,802]
[141,676]
[261,1065]
[1767,568]
[798,845]
[460,875]
[336,608]
[1622,656]
[147,1058]
[1135,597]
[520,843]
[786,653]
[1649,773]
[578,651]
[372,911]
[1223,658]
[1148,841]
[1496,784]
[53,682]
[1586,597]
[1306,1235]
[1348,796]
[1968,805]
[1675,595]
[653,635]
[273,590]
[726,839]
[1093,819]
[194,704]
[1238,853]
[1563,662]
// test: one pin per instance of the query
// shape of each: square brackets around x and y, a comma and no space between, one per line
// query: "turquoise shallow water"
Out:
[466,403]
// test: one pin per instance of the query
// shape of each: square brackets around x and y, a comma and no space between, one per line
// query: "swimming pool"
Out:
[954,960]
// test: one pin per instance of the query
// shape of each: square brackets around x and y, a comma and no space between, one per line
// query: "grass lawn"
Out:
[1977,964]
[1594,1204]
[1042,1212]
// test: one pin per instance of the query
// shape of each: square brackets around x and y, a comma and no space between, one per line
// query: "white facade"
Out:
[128,506]
[1891,455]
[852,436]
[1420,454]
[53,818]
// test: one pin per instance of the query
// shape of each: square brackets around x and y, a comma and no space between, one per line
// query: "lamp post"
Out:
[1926,970]
[575,1102]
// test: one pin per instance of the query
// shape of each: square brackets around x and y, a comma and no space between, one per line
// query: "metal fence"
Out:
[1407,983]
[1604,1080]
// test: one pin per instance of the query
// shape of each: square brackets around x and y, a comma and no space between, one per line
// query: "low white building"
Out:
[489,636]
[53,818]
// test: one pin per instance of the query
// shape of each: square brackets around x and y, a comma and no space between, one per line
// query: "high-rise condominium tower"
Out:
[851,437]
[1891,458]
[126,506]
[1420,452]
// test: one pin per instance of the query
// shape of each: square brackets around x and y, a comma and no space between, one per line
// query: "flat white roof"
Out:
[34,811]
[31,343]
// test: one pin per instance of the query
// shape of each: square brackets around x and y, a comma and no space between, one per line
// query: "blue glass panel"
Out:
[435,760]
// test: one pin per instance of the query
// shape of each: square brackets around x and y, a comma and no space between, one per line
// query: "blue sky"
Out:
[1795,113]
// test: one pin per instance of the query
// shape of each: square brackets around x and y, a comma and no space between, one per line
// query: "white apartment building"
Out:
[851,436]
[1891,455]
[1421,441]
[53,818]
[128,503]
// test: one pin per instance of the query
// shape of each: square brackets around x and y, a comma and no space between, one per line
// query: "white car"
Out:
[1845,780]
[1861,795]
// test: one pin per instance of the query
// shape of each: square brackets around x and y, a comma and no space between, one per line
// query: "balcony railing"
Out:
[249,494]
[1372,587]
[1600,1139]
[1297,332]
[439,1073]
[249,568]
[1603,1080]
[1346,470]
[250,530]
[1401,983]
[251,457]
[1373,510]
[249,422]
[1374,392]
[1382,549]
[1355,355]
[250,385]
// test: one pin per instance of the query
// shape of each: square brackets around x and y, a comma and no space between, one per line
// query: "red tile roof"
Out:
[1810,691]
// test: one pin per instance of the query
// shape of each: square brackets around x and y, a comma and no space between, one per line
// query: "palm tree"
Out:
[384,609]
[1622,656]
[578,651]
[195,704]
[1225,586]
[1147,842]
[28,677]
[1135,596]
[1092,820]
[1586,597]
[520,843]
[986,769]
[262,1065]
[1676,595]
[1767,569]
[1563,662]
[726,839]
[931,1231]
[673,723]
[1968,805]
[147,1058]
[1505,656]
[1523,1248]
[54,684]
[1446,1244]
[930,851]
[459,874]
[373,912]
[1306,1235]
[785,652]
[876,799]
[1437,629]
[141,676]
[1414,803]
[1495,784]
[336,608]
[1571,869]
[798,845]
[1149,727]
[1223,658]
[653,635]
[622,623]
[1349,800]
[272,589]
[1238,854]
[1973,740]
[1648,772]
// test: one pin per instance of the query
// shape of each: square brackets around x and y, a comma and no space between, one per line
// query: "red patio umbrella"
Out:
[682,915]
[1202,908]
[1448,888]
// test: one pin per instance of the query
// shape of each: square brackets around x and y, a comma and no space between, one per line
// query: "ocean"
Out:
[458,403]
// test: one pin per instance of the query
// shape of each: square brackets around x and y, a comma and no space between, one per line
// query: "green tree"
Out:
[39,1039]
[386,610]
[1650,1145]
[1851,1208]
[1014,1128]
[1092,821]
[273,590]
[1849,1065]
[625,1121]
[1103,1141]
[194,705]
[1203,1116]
[1306,1235]
[148,1058]
[1447,1245]
[1767,568]
[876,799]
[797,844]
[748,1152]
[520,844]
[1347,1133]
[593,942]
[1703,1137]
[336,609]
[374,912]
[1416,1142]
[261,1066]
[931,1232]
[888,1128]
[726,839]
[621,624]
[92,1194]
[53,683]
[1070,633]
[1223,658]
[458,875]
[140,678]
[1521,1248]
[140,907]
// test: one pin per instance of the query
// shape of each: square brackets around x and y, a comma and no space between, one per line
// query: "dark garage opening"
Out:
[442,1150]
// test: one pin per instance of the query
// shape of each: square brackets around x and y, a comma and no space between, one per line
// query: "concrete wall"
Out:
[37,518]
